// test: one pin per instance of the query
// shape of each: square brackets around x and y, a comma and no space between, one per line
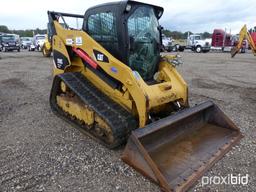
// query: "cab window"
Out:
[102,28]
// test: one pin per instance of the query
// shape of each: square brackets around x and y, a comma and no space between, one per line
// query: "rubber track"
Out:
[120,120]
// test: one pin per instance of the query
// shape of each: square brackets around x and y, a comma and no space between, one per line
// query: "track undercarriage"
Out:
[75,99]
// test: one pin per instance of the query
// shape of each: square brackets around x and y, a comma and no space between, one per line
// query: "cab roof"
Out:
[122,5]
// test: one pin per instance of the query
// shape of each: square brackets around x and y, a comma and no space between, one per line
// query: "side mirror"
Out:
[131,43]
[160,29]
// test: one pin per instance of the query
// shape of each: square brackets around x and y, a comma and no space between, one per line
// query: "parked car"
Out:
[9,42]
[0,42]
[25,42]
[37,43]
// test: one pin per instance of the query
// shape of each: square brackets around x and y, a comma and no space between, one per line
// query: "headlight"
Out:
[17,44]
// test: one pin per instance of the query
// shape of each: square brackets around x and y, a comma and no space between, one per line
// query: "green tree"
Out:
[173,34]
[167,33]
[206,35]
[28,32]
[177,34]
[4,29]
[185,35]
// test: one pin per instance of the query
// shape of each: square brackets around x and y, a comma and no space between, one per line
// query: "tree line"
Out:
[29,32]
[180,35]
[166,32]
[23,33]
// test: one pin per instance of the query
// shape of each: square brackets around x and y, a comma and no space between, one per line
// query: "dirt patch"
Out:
[246,93]
[40,152]
[249,94]
[14,83]
[209,84]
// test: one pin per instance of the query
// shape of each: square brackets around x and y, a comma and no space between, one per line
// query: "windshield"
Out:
[197,37]
[8,38]
[144,40]
[40,37]
[25,39]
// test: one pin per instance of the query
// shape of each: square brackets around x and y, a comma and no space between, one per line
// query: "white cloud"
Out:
[183,15]
[201,15]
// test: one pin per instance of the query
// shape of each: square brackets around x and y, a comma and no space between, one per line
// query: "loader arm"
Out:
[244,34]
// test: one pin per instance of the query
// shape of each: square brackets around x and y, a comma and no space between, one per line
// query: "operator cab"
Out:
[130,31]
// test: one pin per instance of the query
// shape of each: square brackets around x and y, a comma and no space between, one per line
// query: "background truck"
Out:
[221,40]
[170,44]
[37,42]
[9,42]
[167,43]
[196,43]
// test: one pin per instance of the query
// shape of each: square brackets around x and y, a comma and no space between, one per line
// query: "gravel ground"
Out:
[40,152]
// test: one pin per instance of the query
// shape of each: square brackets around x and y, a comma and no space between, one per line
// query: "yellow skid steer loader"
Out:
[112,83]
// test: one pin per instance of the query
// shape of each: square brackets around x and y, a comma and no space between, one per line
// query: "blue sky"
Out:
[182,15]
